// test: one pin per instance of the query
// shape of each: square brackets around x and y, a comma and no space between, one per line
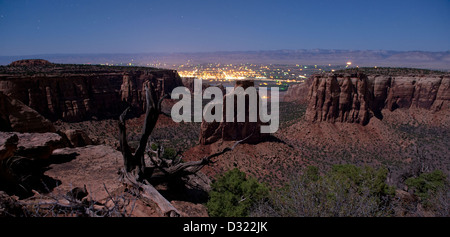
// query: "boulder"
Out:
[38,145]
[78,138]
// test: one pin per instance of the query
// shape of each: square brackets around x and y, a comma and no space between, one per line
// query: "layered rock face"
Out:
[419,92]
[355,98]
[232,131]
[341,99]
[84,92]
[17,117]
[298,92]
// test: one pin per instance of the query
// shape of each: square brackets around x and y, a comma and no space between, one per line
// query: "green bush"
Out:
[169,153]
[427,183]
[363,178]
[233,194]
[154,146]
[346,190]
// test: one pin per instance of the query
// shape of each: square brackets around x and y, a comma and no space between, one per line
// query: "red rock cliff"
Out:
[232,131]
[355,98]
[79,92]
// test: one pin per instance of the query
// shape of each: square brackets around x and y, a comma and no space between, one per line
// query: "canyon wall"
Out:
[75,94]
[355,98]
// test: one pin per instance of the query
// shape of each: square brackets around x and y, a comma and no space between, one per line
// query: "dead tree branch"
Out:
[135,174]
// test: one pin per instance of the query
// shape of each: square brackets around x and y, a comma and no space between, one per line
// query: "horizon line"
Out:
[225,51]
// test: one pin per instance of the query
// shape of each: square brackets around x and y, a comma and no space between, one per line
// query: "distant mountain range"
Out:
[385,58]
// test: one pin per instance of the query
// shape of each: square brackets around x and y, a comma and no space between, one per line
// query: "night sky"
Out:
[47,27]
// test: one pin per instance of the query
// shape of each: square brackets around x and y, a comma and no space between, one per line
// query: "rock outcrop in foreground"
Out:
[30,145]
[355,98]
[77,138]
[80,92]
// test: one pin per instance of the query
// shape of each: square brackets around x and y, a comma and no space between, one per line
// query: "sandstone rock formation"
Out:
[341,99]
[298,92]
[21,156]
[430,92]
[31,145]
[95,169]
[79,92]
[93,166]
[8,144]
[442,99]
[17,117]
[30,63]
[38,145]
[78,138]
[232,131]
[355,98]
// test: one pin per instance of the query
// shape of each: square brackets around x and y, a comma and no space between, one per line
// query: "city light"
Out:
[279,74]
